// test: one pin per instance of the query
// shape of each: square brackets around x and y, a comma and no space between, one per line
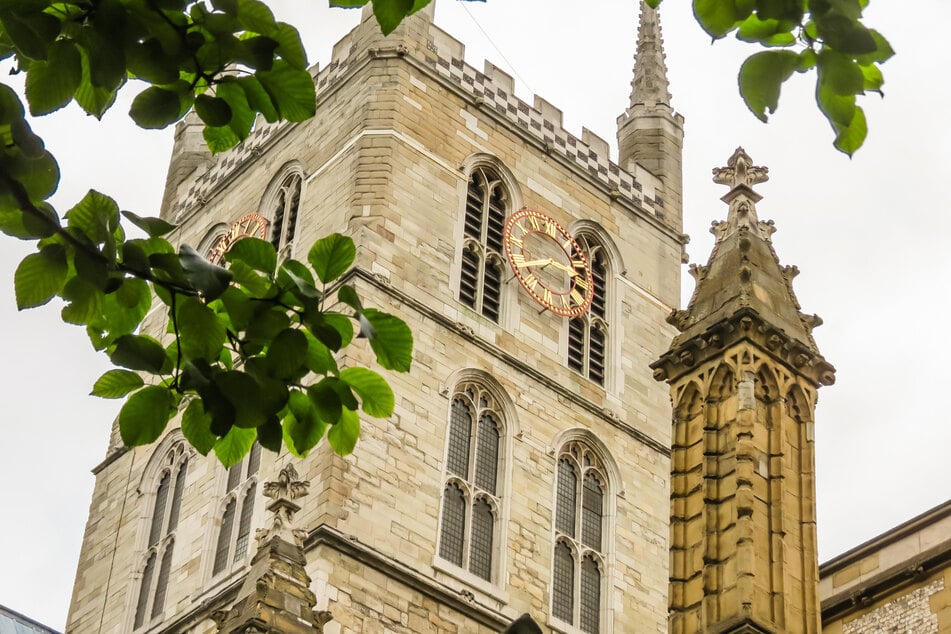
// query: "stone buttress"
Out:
[743,378]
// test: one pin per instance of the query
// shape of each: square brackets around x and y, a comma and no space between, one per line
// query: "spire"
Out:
[650,87]
[276,595]
[744,278]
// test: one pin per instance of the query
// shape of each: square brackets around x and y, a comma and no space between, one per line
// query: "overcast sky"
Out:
[869,235]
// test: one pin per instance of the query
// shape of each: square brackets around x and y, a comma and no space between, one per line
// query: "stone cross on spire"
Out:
[740,170]
[650,86]
[276,595]
[740,175]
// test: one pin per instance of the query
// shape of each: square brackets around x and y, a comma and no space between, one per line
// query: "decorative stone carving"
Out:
[740,171]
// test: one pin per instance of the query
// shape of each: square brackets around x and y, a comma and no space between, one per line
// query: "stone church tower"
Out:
[743,375]
[528,464]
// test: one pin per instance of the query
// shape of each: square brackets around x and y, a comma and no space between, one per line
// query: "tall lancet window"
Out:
[468,535]
[487,205]
[578,561]
[234,533]
[588,334]
[282,204]
[163,522]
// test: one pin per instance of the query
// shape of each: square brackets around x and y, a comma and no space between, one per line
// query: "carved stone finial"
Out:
[286,486]
[740,171]
[649,86]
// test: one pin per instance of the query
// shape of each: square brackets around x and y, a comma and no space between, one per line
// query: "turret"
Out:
[743,374]
[650,134]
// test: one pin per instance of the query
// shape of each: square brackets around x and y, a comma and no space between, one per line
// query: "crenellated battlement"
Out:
[492,89]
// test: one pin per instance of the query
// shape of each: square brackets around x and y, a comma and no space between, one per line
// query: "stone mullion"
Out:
[745,503]
[777,491]
[807,510]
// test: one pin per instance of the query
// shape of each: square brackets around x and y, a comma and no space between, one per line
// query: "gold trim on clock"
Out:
[252,225]
[548,262]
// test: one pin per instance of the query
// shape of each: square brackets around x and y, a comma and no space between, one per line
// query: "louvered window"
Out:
[284,211]
[166,509]
[467,535]
[480,282]
[577,562]
[587,335]
[234,532]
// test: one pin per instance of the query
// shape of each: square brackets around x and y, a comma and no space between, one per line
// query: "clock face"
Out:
[548,262]
[249,226]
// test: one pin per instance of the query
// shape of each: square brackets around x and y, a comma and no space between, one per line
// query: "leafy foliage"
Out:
[802,35]
[252,346]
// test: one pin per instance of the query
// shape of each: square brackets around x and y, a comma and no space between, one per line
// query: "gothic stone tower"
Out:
[526,467]
[743,376]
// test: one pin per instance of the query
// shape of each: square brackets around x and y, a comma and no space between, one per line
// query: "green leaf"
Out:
[258,98]
[761,77]
[326,400]
[872,77]
[332,256]
[214,111]
[883,50]
[344,435]
[154,227]
[348,295]
[297,277]
[291,90]
[146,60]
[838,73]
[235,445]
[31,32]
[93,99]
[242,391]
[85,303]
[255,16]
[287,354]
[116,384]
[259,254]
[319,358]
[156,108]
[50,85]
[96,215]
[375,393]
[40,276]
[201,333]
[717,17]
[389,13]
[291,47]
[851,137]
[391,339]
[196,427]
[303,428]
[138,352]
[144,416]
[210,279]
[220,139]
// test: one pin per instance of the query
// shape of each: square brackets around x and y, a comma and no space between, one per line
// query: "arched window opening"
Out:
[588,334]
[580,493]
[163,522]
[471,496]
[487,205]
[284,209]
[234,532]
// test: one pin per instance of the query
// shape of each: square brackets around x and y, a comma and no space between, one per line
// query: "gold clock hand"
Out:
[535,263]
[563,267]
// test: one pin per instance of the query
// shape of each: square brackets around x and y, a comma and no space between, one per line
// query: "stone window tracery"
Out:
[468,535]
[163,522]
[578,561]
[234,533]
[283,208]
[487,205]
[588,334]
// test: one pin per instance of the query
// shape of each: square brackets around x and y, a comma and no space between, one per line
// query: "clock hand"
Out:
[563,267]
[536,263]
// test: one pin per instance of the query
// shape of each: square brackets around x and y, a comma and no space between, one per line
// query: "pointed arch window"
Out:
[234,533]
[283,208]
[468,534]
[163,522]
[578,561]
[487,205]
[588,334]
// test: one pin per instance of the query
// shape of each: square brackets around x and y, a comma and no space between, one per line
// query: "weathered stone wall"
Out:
[383,161]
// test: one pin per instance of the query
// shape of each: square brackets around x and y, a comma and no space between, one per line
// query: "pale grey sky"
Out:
[870,236]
